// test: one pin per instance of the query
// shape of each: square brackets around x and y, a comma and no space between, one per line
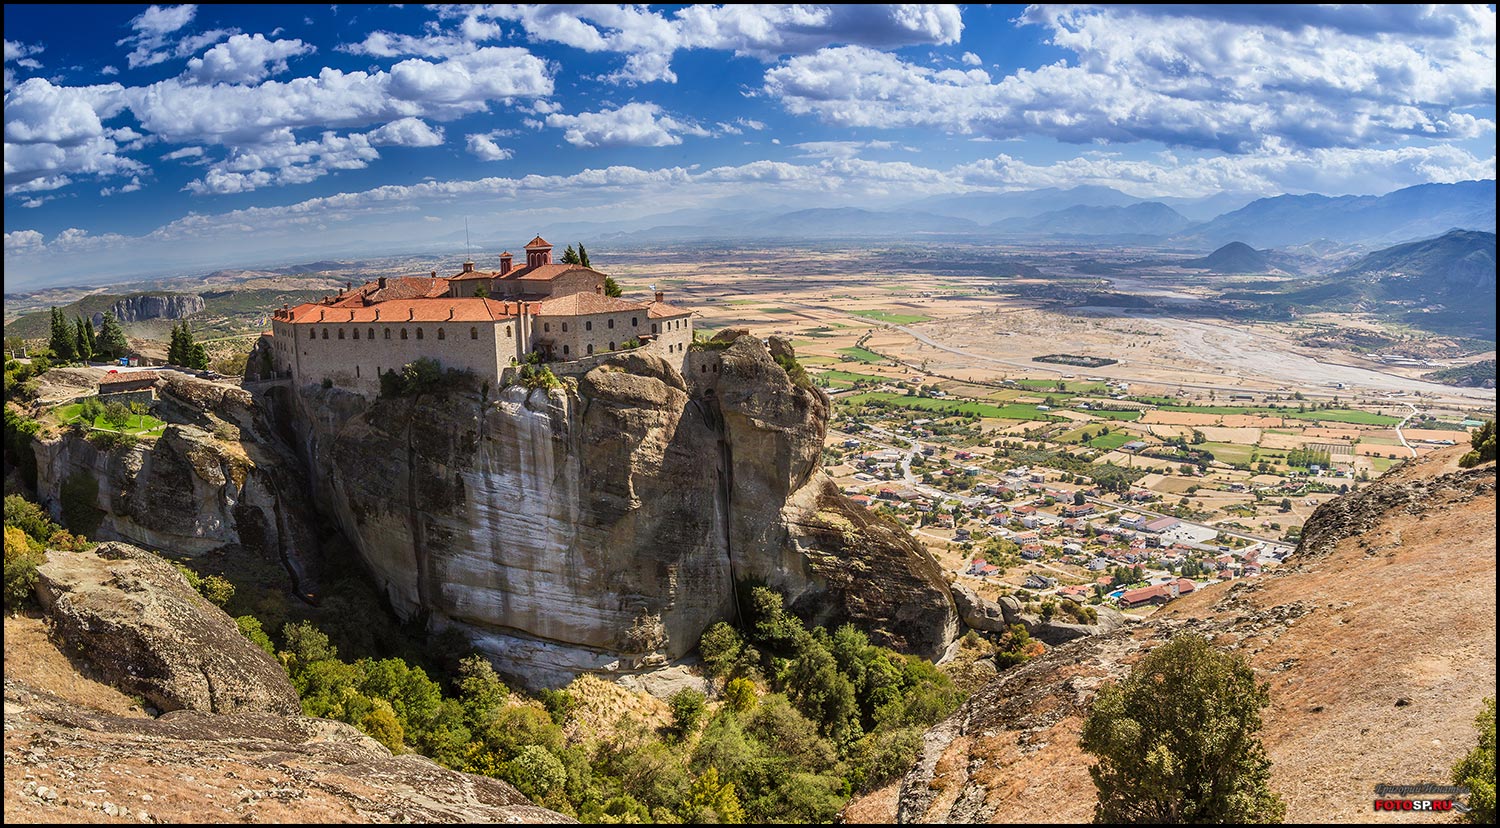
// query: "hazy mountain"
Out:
[987,208]
[1454,268]
[852,221]
[1412,213]
[1149,218]
[1235,257]
[1205,208]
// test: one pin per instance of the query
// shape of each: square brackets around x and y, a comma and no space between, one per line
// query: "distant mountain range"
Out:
[1149,218]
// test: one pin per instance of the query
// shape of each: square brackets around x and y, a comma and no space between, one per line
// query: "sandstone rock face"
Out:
[151,634]
[189,491]
[154,306]
[603,526]
[66,763]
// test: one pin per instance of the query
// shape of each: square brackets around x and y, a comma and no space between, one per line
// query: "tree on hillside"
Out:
[175,350]
[64,347]
[1476,771]
[198,357]
[1177,741]
[82,342]
[1483,441]
[112,342]
[570,256]
[583,256]
[611,287]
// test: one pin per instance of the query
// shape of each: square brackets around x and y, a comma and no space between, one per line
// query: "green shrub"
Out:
[535,772]
[250,628]
[22,556]
[1476,771]
[687,711]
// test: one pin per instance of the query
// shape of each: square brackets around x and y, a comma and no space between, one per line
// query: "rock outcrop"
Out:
[604,525]
[1377,642]
[149,633]
[988,616]
[145,306]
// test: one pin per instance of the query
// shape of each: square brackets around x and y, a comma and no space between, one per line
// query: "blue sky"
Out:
[171,138]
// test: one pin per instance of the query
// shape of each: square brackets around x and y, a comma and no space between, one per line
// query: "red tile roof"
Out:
[472,309]
[132,377]
[1144,594]
[575,304]
[538,242]
[402,287]
[662,310]
[547,272]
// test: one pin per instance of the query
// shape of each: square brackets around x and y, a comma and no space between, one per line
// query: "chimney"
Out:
[660,295]
[468,267]
[434,274]
[381,283]
[505,264]
[450,311]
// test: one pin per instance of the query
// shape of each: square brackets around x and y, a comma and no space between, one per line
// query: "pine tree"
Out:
[175,355]
[198,356]
[88,330]
[62,343]
[583,256]
[112,338]
[611,287]
[83,343]
[570,256]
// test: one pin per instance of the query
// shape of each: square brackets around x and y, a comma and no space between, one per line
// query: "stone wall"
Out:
[485,348]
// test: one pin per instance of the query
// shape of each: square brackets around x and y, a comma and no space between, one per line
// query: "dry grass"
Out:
[33,657]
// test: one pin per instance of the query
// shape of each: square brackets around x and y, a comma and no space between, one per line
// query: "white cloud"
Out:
[281,159]
[839,149]
[109,71]
[971,59]
[23,240]
[1204,79]
[132,186]
[483,147]
[649,39]
[632,125]
[406,132]
[153,29]
[387,45]
[18,51]
[185,152]
[244,59]
[55,132]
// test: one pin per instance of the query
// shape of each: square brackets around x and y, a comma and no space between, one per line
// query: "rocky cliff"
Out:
[216,477]
[145,306]
[232,746]
[1377,642]
[604,525]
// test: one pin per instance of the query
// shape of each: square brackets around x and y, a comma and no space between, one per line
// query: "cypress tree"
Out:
[174,347]
[197,356]
[82,342]
[88,330]
[570,256]
[112,338]
[583,256]
[62,341]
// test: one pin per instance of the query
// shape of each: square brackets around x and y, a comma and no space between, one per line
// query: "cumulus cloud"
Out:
[281,159]
[155,29]
[483,147]
[185,152]
[632,125]
[1209,79]
[130,187]
[55,132]
[406,132]
[244,59]
[649,38]
[839,149]
[971,59]
[23,240]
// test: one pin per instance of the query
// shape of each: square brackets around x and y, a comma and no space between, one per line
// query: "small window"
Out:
[565,350]
[591,347]
[611,346]
[546,327]
[507,331]
[388,333]
[632,322]
[419,333]
[403,333]
[611,324]
[703,369]
[473,333]
[588,326]
[716,367]
[312,333]
[372,333]
[356,368]
[565,327]
[441,335]
[653,327]
[341,333]
[325,333]
[356,333]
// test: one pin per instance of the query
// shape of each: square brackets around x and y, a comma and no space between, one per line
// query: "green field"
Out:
[136,423]
[1112,440]
[850,376]
[816,359]
[1225,409]
[742,301]
[1111,415]
[1228,452]
[954,407]
[858,354]
[1069,386]
[892,318]
[1344,415]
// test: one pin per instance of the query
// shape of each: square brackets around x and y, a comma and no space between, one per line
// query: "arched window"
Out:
[507,331]
[653,327]
[341,333]
[441,335]
[611,324]
[403,333]
[589,325]
[546,327]
[703,369]
[473,333]
[632,322]
[325,333]
[565,327]
[312,333]
[716,367]
[356,333]
[565,350]
[591,347]
[387,333]
[419,333]
[611,346]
